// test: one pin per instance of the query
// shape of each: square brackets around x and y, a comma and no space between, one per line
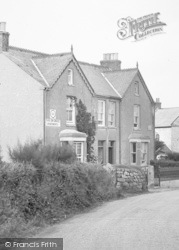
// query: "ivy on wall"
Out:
[85,123]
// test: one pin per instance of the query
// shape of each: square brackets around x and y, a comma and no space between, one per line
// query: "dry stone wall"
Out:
[128,178]
[131,178]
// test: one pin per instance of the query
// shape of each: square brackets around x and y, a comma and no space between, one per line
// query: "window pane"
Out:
[101,112]
[101,152]
[78,150]
[144,146]
[70,77]
[70,110]
[133,152]
[134,147]
[133,158]
[136,116]
[111,114]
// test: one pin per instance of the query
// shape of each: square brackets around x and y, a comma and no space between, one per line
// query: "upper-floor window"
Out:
[136,116]
[111,114]
[136,88]
[70,110]
[70,77]
[101,113]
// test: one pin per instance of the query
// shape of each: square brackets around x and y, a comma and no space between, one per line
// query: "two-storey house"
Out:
[38,93]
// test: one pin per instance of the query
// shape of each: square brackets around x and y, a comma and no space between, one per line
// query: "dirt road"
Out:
[148,221]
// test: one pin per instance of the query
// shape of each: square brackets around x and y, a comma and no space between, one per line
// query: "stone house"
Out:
[37,98]
[167,126]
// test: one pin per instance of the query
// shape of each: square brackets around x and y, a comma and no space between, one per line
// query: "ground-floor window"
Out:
[78,146]
[144,152]
[133,152]
[101,154]
[111,152]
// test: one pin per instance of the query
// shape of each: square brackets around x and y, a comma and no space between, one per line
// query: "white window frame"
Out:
[136,118]
[132,153]
[136,88]
[72,110]
[144,153]
[101,113]
[101,145]
[70,77]
[111,115]
[79,156]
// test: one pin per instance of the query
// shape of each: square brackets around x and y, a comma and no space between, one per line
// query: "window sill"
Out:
[71,85]
[136,94]
[133,164]
[136,129]
[101,126]
[70,124]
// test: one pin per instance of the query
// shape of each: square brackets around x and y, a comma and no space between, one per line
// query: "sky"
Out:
[52,26]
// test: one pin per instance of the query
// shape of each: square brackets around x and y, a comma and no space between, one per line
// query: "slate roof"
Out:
[94,75]
[52,66]
[22,58]
[166,116]
[121,79]
[46,69]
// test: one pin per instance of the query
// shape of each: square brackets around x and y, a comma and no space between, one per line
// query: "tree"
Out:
[85,123]
[159,145]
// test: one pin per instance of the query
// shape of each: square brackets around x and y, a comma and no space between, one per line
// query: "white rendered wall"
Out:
[165,135]
[21,106]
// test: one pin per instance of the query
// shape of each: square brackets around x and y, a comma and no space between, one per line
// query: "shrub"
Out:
[63,189]
[173,156]
[37,154]
[164,163]
[85,123]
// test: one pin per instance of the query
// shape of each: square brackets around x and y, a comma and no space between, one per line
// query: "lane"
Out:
[149,221]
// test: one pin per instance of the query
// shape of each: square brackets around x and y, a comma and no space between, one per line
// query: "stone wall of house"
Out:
[131,178]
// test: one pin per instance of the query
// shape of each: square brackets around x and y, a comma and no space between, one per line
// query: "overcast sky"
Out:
[51,26]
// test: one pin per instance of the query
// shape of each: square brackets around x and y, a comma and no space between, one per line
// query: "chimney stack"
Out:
[158,104]
[4,37]
[111,61]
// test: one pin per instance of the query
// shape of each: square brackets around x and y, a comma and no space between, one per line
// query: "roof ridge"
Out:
[27,50]
[169,108]
[53,55]
[120,70]
[60,54]
[92,64]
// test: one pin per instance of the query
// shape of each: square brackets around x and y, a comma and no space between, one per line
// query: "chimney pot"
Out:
[2,26]
[158,104]
[110,60]
[4,37]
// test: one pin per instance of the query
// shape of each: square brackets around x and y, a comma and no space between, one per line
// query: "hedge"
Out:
[32,197]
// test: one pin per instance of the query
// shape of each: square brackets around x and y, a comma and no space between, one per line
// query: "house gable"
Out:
[56,98]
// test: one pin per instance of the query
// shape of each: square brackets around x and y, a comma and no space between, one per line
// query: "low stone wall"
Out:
[131,178]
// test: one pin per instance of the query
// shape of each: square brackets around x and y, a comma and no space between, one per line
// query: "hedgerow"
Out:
[59,191]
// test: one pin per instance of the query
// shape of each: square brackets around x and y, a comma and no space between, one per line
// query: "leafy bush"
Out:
[37,154]
[173,156]
[165,163]
[85,123]
[62,190]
